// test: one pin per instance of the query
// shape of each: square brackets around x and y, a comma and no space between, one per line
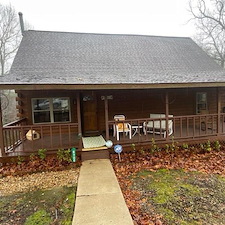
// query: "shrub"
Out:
[217,145]
[154,146]
[206,147]
[185,146]
[64,155]
[42,153]
[20,160]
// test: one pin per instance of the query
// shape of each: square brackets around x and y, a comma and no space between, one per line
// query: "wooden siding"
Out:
[140,103]
[132,103]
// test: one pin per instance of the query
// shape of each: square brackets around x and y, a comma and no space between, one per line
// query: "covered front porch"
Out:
[92,113]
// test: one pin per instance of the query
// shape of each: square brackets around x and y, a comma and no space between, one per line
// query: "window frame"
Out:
[198,111]
[51,110]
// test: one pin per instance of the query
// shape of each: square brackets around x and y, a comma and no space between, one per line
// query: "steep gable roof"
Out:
[82,58]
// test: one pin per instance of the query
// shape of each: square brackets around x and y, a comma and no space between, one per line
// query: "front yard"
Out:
[174,186]
[41,191]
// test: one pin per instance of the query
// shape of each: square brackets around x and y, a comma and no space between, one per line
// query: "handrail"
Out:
[174,117]
[44,125]
[15,123]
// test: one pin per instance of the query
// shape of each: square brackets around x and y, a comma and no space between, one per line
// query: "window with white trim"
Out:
[51,110]
[201,102]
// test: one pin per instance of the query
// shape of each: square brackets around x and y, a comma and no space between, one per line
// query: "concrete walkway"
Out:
[99,199]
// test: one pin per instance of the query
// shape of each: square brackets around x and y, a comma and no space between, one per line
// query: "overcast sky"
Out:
[151,17]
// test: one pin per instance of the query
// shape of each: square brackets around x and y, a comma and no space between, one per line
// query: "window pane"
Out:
[41,104]
[42,117]
[201,97]
[60,104]
[61,116]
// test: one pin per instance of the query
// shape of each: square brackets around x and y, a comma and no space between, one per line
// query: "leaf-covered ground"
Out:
[179,186]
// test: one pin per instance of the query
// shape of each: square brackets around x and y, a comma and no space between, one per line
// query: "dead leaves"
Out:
[190,160]
[50,163]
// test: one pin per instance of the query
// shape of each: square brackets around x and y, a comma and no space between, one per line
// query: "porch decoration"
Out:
[109,144]
[118,149]
[32,135]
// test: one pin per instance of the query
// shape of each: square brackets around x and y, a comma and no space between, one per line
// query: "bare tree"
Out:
[209,16]
[10,36]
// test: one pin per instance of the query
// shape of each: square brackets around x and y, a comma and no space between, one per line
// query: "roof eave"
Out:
[107,86]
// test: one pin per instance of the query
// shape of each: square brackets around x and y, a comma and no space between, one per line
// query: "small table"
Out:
[136,129]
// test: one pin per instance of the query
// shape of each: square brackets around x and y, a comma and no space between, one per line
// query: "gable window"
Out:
[51,110]
[201,102]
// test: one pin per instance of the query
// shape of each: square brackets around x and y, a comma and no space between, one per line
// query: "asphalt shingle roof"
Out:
[82,58]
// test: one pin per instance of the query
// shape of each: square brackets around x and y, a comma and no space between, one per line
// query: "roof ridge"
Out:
[139,35]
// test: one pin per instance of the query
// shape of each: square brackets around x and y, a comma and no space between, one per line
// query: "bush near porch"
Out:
[176,185]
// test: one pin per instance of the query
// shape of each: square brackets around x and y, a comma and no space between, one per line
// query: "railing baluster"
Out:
[69,131]
[193,127]
[60,135]
[51,136]
[42,138]
[187,129]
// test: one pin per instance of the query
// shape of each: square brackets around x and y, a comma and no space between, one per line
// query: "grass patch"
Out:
[41,217]
[54,206]
[187,198]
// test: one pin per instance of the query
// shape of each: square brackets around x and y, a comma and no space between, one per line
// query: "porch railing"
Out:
[52,136]
[12,137]
[190,127]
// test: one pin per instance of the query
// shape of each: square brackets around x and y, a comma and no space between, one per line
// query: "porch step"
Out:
[94,154]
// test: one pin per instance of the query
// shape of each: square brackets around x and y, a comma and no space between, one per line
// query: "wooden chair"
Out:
[121,127]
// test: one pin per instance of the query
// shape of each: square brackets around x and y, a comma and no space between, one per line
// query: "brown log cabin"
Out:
[71,85]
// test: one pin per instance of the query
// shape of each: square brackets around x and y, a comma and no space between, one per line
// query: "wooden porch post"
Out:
[167,114]
[218,111]
[106,118]
[79,121]
[2,146]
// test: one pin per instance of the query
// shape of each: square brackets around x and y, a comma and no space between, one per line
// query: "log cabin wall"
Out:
[133,104]
[136,104]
